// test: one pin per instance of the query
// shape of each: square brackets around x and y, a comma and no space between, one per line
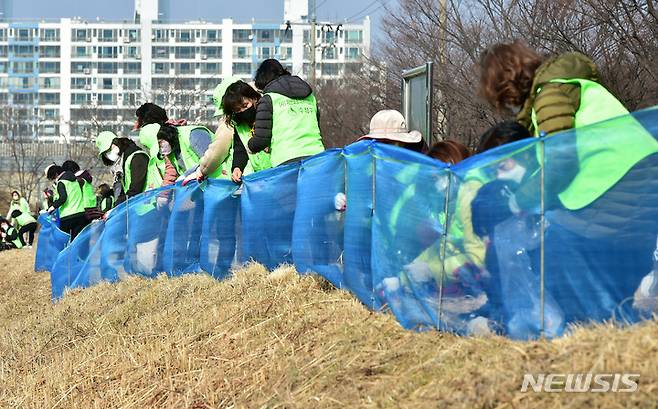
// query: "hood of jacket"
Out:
[564,66]
[290,86]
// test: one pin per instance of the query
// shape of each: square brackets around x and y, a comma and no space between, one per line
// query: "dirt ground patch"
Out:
[193,342]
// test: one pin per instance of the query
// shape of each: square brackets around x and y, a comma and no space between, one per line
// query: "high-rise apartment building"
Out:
[61,80]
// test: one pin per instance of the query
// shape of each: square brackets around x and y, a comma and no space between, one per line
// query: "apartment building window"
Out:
[160,52]
[133,35]
[265,36]
[3,34]
[214,36]
[3,68]
[23,67]
[81,67]
[184,84]
[107,68]
[80,99]
[107,52]
[24,34]
[160,68]
[80,83]
[49,82]
[49,129]
[106,35]
[286,53]
[49,98]
[329,36]
[160,84]
[211,52]
[241,68]
[49,51]
[206,84]
[241,36]
[354,36]
[185,52]
[185,36]
[211,68]
[21,83]
[160,36]
[265,52]
[107,99]
[133,52]
[241,52]
[49,67]
[49,34]
[50,114]
[353,53]
[3,51]
[22,51]
[79,34]
[24,99]
[107,83]
[132,68]
[132,83]
[329,53]
[130,99]
[184,68]
[80,52]
[330,69]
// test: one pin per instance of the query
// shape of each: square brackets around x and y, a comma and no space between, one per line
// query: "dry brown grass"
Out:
[194,342]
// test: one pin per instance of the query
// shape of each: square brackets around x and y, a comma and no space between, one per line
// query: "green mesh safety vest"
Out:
[190,158]
[153,175]
[153,181]
[106,204]
[88,195]
[74,203]
[24,219]
[603,160]
[257,161]
[295,129]
[17,241]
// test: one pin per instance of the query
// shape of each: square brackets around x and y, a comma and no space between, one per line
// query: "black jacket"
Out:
[289,86]
[61,189]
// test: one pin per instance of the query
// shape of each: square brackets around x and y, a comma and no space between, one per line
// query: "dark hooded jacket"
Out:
[287,85]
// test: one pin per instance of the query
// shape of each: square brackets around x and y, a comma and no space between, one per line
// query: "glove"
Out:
[161,202]
[340,202]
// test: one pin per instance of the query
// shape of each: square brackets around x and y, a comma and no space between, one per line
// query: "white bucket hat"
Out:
[391,125]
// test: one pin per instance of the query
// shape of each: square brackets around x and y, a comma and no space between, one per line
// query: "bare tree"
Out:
[620,36]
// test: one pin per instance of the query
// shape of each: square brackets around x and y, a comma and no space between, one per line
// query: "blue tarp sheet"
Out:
[457,248]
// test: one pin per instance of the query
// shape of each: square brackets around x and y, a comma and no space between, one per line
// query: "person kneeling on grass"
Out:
[9,235]
[25,224]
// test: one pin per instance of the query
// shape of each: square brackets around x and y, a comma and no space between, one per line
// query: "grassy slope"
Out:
[257,342]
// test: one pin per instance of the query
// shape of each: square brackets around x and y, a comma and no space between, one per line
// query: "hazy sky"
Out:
[241,11]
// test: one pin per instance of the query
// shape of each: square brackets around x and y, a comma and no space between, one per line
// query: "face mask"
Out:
[15,197]
[515,174]
[113,154]
[165,148]
[247,116]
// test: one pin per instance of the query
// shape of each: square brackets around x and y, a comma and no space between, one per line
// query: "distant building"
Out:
[61,80]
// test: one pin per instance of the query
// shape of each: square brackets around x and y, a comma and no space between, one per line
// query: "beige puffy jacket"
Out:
[218,150]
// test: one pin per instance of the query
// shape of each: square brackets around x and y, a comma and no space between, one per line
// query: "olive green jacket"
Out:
[556,104]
